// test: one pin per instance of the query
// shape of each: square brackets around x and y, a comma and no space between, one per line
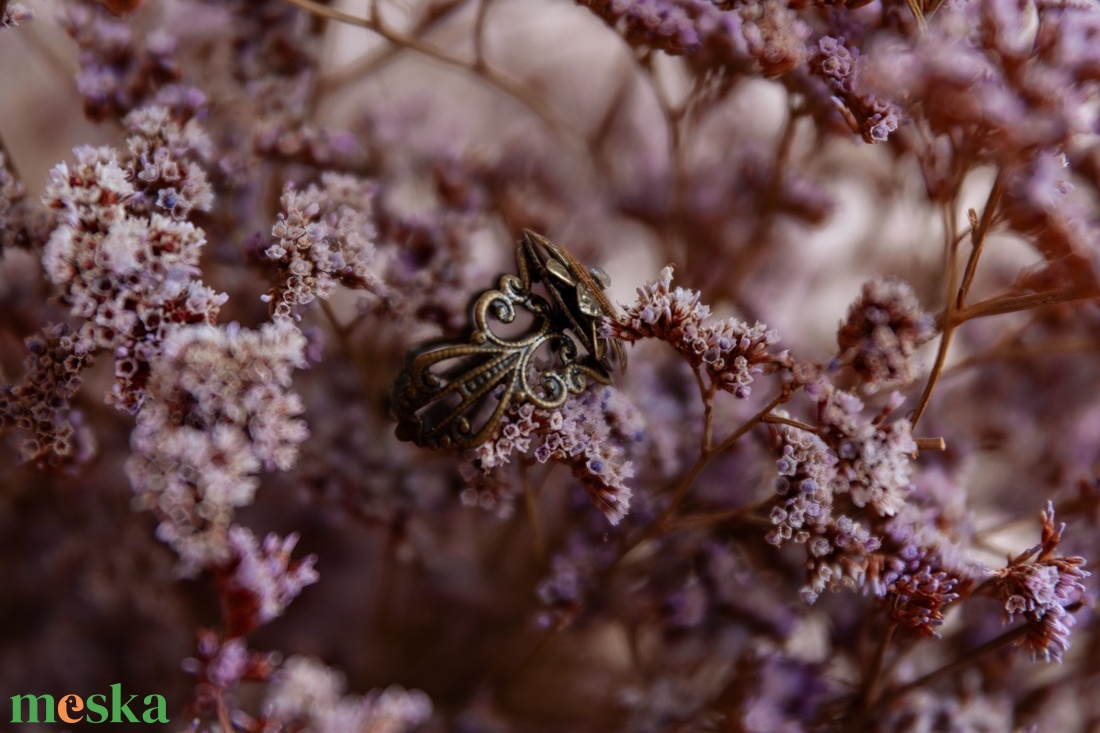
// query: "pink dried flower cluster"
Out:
[840,65]
[579,435]
[13,209]
[123,266]
[307,693]
[40,405]
[885,327]
[14,14]
[1044,589]
[260,581]
[274,205]
[220,409]
[118,72]
[323,237]
[864,462]
[730,351]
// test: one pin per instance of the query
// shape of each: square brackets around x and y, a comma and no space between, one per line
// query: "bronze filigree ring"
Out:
[454,394]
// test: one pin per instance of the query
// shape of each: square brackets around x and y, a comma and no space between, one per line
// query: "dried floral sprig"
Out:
[731,352]
[40,404]
[260,581]
[220,409]
[1045,589]
[306,693]
[13,14]
[123,266]
[885,327]
[14,209]
[323,237]
[577,434]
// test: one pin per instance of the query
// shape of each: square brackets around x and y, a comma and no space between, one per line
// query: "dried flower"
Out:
[1045,590]
[884,328]
[220,408]
[128,271]
[731,352]
[578,435]
[14,14]
[258,583]
[40,405]
[322,238]
[305,692]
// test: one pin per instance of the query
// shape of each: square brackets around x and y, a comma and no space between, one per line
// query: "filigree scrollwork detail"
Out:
[445,395]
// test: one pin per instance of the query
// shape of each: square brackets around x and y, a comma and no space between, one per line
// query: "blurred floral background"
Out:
[848,481]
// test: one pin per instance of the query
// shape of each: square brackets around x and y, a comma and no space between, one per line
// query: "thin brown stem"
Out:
[479,33]
[530,496]
[949,224]
[931,443]
[677,165]
[918,12]
[749,424]
[962,663]
[223,715]
[780,420]
[339,329]
[707,519]
[371,63]
[1049,348]
[688,481]
[1014,303]
[978,238]
[874,675]
[545,112]
[707,395]
[759,239]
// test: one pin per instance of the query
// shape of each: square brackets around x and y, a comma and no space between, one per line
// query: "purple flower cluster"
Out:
[885,327]
[1044,589]
[283,203]
[219,409]
[839,65]
[124,267]
[579,435]
[40,405]
[730,351]
[323,238]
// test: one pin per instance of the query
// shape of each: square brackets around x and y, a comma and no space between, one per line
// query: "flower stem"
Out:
[963,662]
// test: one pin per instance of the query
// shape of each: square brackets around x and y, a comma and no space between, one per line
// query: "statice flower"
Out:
[659,24]
[220,409]
[1045,590]
[220,665]
[117,73]
[577,434]
[874,457]
[40,404]
[807,472]
[848,457]
[261,581]
[307,695]
[774,35]
[166,146]
[919,599]
[730,351]
[128,271]
[840,65]
[885,327]
[323,237]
